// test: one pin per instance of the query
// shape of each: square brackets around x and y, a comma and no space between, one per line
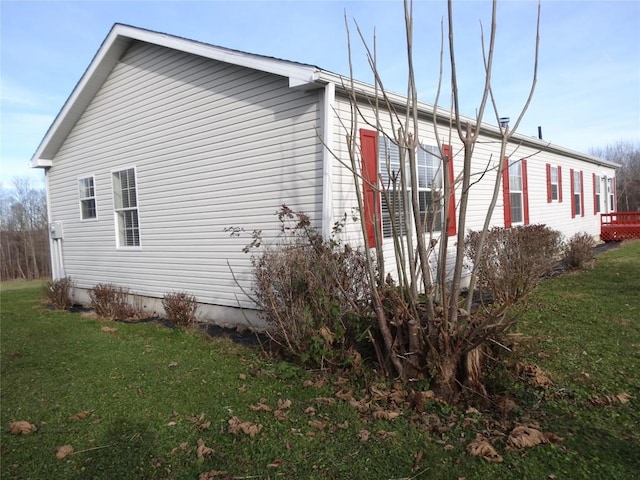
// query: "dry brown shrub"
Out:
[112,301]
[578,251]
[180,308]
[59,292]
[514,259]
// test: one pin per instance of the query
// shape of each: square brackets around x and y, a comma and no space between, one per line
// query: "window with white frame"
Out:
[125,202]
[429,177]
[516,192]
[610,194]
[555,184]
[87,194]
[577,188]
[596,194]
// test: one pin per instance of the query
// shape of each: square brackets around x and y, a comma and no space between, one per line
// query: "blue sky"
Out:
[588,92]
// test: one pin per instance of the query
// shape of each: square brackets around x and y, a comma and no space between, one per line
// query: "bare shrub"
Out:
[180,308]
[514,260]
[111,301]
[578,251]
[313,292]
[59,292]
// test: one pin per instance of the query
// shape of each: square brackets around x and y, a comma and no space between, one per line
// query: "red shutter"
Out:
[370,193]
[581,194]
[506,200]
[451,214]
[525,191]
[573,203]
[559,184]
[549,198]
[614,206]
[595,200]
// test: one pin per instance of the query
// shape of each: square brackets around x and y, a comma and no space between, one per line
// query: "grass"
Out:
[149,389]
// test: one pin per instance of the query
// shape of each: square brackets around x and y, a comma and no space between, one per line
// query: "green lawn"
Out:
[150,393]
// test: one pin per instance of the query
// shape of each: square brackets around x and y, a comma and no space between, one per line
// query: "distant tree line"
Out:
[627,155]
[24,238]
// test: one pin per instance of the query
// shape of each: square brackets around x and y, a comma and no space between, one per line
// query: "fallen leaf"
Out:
[203,426]
[182,446]
[236,426]
[242,389]
[317,424]
[22,428]
[385,415]
[173,364]
[171,424]
[523,436]
[325,400]
[347,396]
[327,335]
[275,464]
[364,435]
[448,447]
[109,330]
[80,415]
[203,450]
[63,451]
[280,415]
[242,377]
[310,411]
[284,404]
[260,407]
[344,425]
[212,474]
[383,434]
[482,448]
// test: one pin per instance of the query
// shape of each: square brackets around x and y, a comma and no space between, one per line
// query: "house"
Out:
[166,142]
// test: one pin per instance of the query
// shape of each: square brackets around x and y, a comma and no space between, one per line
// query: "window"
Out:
[515,193]
[611,194]
[126,208]
[429,177]
[577,193]
[87,192]
[554,183]
[596,194]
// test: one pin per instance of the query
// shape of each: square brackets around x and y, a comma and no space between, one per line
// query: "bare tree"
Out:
[24,235]
[424,331]
[627,155]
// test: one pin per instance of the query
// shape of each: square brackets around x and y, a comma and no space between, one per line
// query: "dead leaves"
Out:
[481,448]
[109,330]
[524,436]
[535,376]
[80,415]
[248,428]
[608,400]
[63,451]
[22,428]
[202,450]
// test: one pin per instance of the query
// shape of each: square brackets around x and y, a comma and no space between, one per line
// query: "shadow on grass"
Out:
[129,453]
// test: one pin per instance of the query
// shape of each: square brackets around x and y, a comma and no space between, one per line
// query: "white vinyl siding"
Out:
[87,193]
[516,193]
[214,145]
[125,207]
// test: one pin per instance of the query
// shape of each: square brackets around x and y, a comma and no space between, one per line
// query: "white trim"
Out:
[328,103]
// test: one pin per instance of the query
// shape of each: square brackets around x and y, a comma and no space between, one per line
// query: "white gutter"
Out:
[328,104]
